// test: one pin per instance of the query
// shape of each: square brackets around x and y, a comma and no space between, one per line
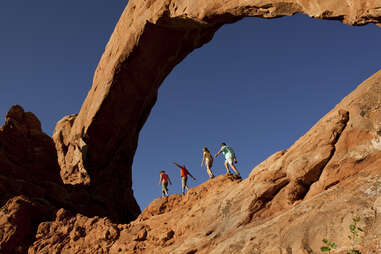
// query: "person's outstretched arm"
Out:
[203,159]
[176,164]
[191,176]
[220,151]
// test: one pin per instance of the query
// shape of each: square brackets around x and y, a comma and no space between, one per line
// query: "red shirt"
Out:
[183,171]
[164,178]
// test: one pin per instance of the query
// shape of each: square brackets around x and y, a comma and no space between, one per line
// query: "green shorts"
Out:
[164,187]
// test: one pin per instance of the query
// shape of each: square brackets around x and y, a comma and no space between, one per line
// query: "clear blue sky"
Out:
[258,86]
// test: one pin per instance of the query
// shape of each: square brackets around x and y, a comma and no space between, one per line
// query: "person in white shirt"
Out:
[208,159]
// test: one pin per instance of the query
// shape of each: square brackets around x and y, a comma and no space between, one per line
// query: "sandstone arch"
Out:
[96,147]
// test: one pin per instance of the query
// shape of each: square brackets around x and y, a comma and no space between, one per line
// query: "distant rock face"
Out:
[150,38]
[288,204]
[28,166]
[31,189]
[28,159]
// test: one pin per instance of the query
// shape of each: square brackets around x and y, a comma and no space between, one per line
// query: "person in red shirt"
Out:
[164,179]
[184,177]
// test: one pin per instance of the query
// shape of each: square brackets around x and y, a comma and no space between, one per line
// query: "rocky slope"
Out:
[288,204]
[151,37]
[208,220]
[58,197]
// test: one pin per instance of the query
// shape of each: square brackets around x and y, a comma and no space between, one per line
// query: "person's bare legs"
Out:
[164,190]
[209,171]
[184,184]
[234,168]
[227,168]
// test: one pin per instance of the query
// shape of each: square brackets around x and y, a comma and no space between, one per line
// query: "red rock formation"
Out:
[28,161]
[79,170]
[29,167]
[207,219]
[132,68]
[19,219]
[288,204]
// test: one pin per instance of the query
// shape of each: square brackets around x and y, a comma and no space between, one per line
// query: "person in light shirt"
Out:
[230,158]
[208,159]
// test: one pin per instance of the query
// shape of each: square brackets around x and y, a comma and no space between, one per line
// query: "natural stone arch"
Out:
[96,147]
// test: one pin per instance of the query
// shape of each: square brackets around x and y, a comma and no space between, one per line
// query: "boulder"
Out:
[19,219]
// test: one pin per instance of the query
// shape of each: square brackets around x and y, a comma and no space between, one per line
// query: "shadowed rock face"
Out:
[31,189]
[28,166]
[150,38]
[28,160]
[19,219]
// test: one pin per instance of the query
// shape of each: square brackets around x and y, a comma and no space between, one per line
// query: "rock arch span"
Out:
[96,147]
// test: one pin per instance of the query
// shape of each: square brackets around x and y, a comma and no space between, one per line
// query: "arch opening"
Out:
[277,95]
[132,69]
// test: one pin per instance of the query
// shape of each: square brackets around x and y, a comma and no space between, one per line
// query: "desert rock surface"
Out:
[151,37]
[57,195]
[31,189]
[288,204]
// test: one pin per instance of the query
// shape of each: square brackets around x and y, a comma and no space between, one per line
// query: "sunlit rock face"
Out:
[150,38]
[67,196]
[288,204]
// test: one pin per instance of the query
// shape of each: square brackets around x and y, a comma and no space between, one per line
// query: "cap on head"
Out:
[223,144]
[205,149]
[162,171]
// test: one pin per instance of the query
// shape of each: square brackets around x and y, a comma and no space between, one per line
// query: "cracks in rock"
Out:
[169,18]
[298,188]
[331,16]
[331,185]
[65,148]
[268,11]
[260,202]
[314,174]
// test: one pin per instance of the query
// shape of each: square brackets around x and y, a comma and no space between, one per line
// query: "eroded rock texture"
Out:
[207,221]
[28,156]
[288,204]
[28,166]
[31,189]
[151,37]
[19,219]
